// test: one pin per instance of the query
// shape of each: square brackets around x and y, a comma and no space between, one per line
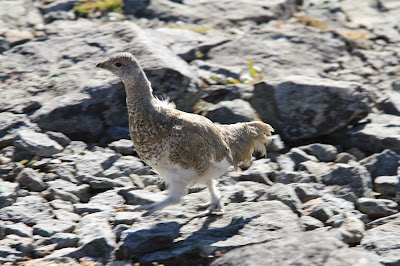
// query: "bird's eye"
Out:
[118,64]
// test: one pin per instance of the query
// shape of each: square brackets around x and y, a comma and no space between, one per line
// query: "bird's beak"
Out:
[100,65]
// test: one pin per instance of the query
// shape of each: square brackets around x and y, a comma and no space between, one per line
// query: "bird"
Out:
[183,148]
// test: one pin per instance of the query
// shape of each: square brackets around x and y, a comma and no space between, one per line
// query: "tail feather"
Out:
[245,138]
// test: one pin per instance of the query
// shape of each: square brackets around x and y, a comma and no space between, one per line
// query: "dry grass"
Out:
[312,22]
[199,29]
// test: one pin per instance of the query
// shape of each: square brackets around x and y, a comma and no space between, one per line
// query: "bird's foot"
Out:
[213,207]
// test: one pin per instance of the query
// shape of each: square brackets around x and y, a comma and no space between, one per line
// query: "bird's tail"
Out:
[245,138]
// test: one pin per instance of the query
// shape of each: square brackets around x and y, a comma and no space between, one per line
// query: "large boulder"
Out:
[68,94]
[301,107]
[375,134]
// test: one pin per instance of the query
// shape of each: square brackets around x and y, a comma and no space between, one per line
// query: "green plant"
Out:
[255,74]
[86,7]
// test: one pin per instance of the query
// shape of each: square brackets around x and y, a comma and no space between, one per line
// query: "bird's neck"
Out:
[138,91]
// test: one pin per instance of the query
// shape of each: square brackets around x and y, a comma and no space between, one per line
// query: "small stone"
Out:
[64,240]
[65,215]
[309,223]
[324,152]
[37,143]
[377,208]
[285,194]
[387,185]
[141,197]
[58,204]
[345,157]
[31,180]
[385,163]
[19,229]
[8,192]
[48,228]
[81,208]
[59,137]
[122,146]
[128,218]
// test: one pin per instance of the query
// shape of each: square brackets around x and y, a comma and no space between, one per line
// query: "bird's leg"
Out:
[176,191]
[215,203]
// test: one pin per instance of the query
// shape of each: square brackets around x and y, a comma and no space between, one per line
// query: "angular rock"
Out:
[387,185]
[351,256]
[94,163]
[323,152]
[357,178]
[81,191]
[136,243]
[234,229]
[77,107]
[19,229]
[17,246]
[122,146]
[59,137]
[294,101]
[64,240]
[125,166]
[309,223]
[306,248]
[141,197]
[30,210]
[8,194]
[375,134]
[37,143]
[385,163]
[31,180]
[65,215]
[84,208]
[48,228]
[230,112]
[96,238]
[10,124]
[377,208]
[262,172]
[108,198]
[285,194]
[127,218]
[383,240]
[288,177]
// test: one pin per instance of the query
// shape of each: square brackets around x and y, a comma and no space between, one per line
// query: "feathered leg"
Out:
[215,203]
[176,191]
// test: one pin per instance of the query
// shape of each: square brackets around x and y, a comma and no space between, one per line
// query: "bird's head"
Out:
[124,65]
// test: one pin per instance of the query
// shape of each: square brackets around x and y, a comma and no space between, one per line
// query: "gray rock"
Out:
[96,238]
[47,228]
[285,194]
[262,172]
[233,229]
[81,191]
[59,137]
[306,248]
[387,185]
[76,108]
[65,215]
[64,240]
[108,198]
[326,206]
[339,104]
[352,256]
[230,112]
[122,146]
[99,183]
[37,143]
[298,156]
[125,166]
[85,208]
[288,177]
[375,134]
[377,208]
[323,152]
[383,240]
[357,178]
[226,13]
[141,197]
[17,246]
[30,210]
[56,193]
[276,143]
[314,168]
[382,164]
[10,124]
[8,194]
[309,223]
[127,218]
[345,157]
[19,229]
[306,192]
[351,230]
[136,243]
[31,180]
[58,204]
[94,163]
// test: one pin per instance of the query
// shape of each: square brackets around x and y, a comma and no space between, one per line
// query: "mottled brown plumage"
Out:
[183,148]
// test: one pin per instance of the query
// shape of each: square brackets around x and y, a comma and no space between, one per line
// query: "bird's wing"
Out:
[197,141]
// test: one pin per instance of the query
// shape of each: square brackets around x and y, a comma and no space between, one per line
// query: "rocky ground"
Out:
[324,74]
